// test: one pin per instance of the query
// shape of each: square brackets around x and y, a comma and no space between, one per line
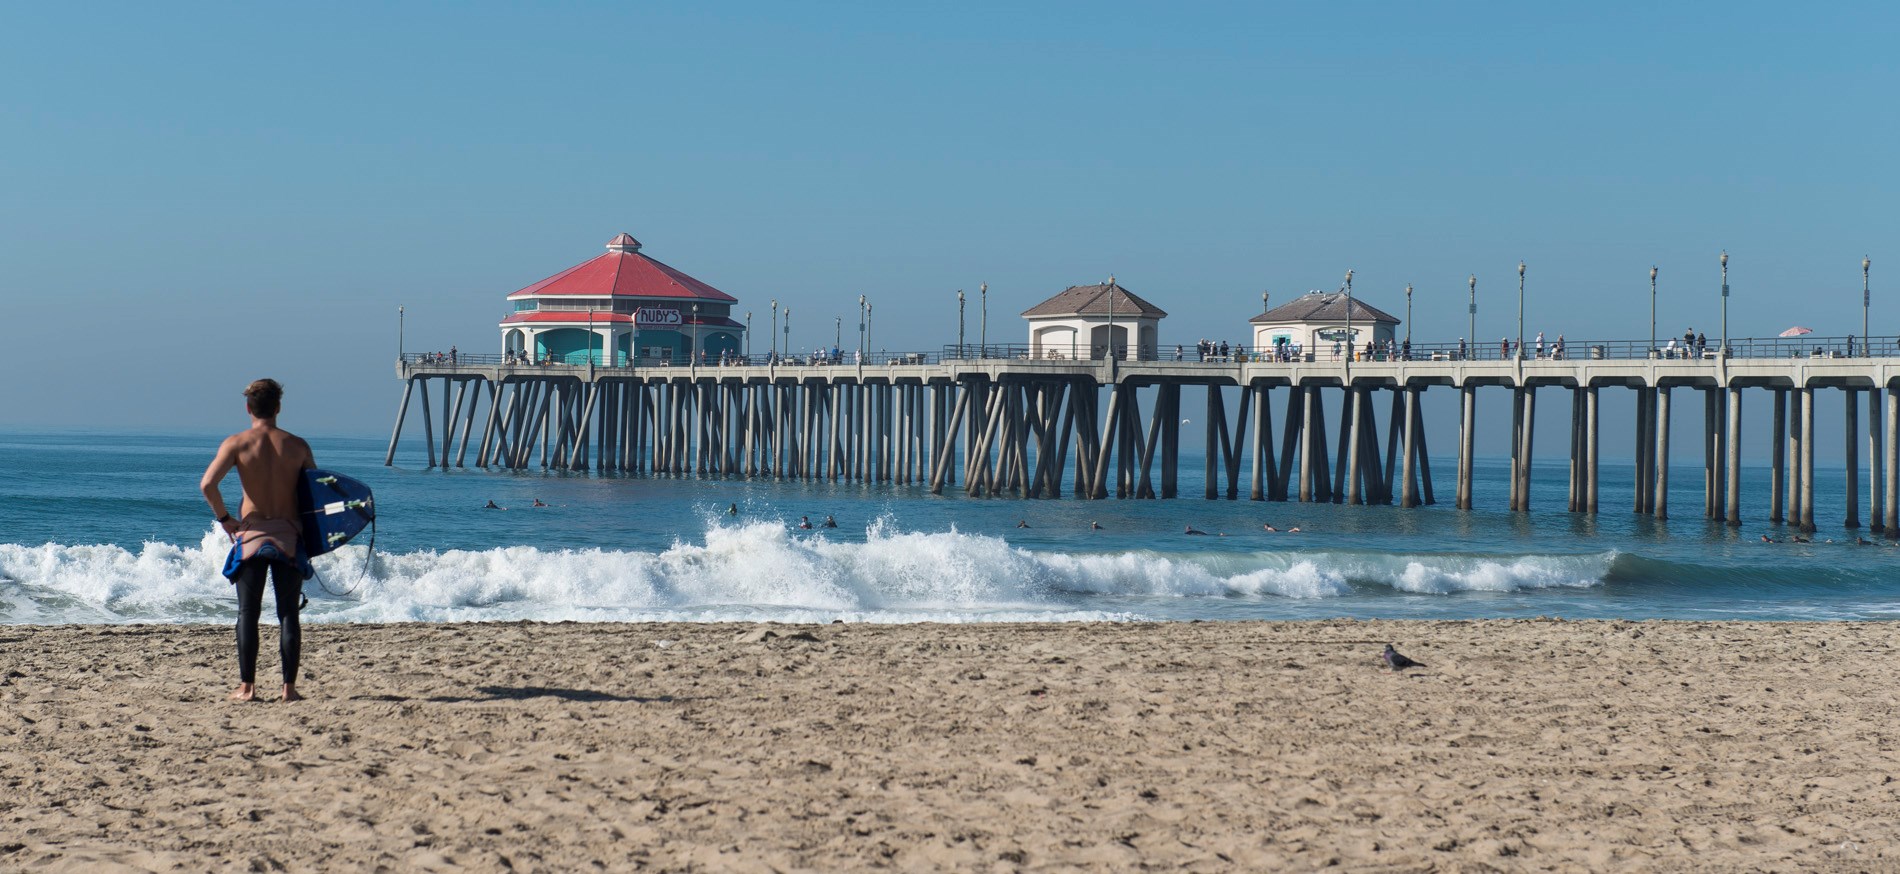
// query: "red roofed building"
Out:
[616,303]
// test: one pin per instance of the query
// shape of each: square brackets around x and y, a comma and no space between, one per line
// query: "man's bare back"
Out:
[268,461]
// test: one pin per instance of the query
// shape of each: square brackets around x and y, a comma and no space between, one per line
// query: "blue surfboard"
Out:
[333,509]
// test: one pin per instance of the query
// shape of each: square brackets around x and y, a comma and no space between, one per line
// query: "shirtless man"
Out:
[269,461]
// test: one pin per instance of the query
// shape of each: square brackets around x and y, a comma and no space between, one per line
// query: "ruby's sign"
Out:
[657,317]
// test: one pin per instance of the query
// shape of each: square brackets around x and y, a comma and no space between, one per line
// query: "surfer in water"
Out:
[269,462]
[493,506]
[804,522]
[830,522]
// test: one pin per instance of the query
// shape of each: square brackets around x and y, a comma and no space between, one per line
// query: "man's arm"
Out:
[309,458]
[221,464]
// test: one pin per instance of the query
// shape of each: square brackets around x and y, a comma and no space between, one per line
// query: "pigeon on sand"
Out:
[1397,660]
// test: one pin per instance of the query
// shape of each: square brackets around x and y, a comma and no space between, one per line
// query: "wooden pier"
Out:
[1036,428]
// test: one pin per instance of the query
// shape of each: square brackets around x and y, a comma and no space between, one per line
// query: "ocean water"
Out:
[108,527]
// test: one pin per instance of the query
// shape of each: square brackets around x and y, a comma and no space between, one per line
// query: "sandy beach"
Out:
[1524,745]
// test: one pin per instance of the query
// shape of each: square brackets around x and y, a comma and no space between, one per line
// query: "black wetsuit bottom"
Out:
[287,586]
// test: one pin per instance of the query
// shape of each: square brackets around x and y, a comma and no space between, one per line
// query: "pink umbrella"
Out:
[1796,331]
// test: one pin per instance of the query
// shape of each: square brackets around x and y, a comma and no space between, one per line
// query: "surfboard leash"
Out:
[368,555]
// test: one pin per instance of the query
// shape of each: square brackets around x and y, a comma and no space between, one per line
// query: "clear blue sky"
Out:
[194,197]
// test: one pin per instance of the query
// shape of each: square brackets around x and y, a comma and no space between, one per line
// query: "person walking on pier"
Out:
[1701,344]
[270,462]
[1504,347]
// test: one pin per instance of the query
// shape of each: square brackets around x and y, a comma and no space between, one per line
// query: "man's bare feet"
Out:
[290,694]
[244,692]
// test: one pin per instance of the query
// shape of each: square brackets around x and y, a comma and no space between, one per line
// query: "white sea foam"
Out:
[745,571]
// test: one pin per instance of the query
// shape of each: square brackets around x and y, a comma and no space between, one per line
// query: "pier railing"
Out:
[1805,346]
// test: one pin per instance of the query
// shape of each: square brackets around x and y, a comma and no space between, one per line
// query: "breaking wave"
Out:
[750,572]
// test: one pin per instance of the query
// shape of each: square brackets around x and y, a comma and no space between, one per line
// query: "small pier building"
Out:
[1317,325]
[617,307]
[1084,321]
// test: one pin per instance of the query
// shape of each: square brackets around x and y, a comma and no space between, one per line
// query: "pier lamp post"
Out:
[1111,319]
[1725,305]
[1652,310]
[1866,340]
[697,354]
[959,323]
[590,341]
[983,326]
[1520,311]
[399,320]
[864,324]
[867,327]
[1472,314]
[837,331]
[1408,315]
[1350,338]
[788,330]
[774,335]
[633,358]
[748,336]
[1263,311]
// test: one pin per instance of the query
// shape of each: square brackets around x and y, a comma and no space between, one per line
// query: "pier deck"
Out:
[1041,428]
